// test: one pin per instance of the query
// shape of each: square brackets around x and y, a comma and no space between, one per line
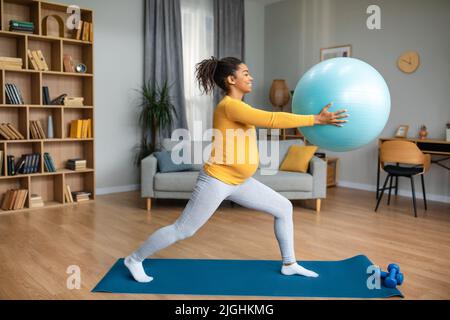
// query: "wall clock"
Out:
[408,62]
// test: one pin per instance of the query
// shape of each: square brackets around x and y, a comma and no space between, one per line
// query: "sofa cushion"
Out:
[297,158]
[285,180]
[267,159]
[166,164]
[176,181]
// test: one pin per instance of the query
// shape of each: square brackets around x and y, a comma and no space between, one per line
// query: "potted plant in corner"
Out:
[156,112]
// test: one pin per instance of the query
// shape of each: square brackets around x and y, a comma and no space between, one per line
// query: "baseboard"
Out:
[403,193]
[109,190]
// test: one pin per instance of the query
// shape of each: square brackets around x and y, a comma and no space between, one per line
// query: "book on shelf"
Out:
[49,164]
[10,160]
[68,194]
[36,130]
[9,132]
[46,95]
[13,94]
[76,164]
[84,31]
[42,59]
[68,63]
[32,59]
[11,63]
[28,163]
[81,129]
[26,26]
[1,162]
[38,60]
[36,201]
[14,199]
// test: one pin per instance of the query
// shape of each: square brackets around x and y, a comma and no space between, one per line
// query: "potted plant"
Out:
[156,112]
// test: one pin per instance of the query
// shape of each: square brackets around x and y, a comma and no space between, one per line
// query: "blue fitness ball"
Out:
[349,84]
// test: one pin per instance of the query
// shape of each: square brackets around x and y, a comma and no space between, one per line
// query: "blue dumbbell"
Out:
[393,277]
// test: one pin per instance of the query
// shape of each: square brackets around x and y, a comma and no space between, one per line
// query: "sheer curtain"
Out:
[197,17]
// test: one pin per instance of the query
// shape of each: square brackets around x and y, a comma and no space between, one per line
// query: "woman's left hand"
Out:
[334,118]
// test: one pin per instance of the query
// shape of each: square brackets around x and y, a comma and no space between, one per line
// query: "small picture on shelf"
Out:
[402,131]
[335,52]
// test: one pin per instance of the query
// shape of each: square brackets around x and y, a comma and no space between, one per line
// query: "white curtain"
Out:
[197,17]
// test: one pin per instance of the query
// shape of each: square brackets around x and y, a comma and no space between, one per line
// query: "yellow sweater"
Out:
[234,155]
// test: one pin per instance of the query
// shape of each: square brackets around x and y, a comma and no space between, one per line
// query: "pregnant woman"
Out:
[229,179]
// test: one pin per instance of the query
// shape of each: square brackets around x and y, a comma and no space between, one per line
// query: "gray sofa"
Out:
[179,185]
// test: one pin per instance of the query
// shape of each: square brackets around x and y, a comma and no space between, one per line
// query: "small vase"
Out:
[423,134]
[279,94]
[50,127]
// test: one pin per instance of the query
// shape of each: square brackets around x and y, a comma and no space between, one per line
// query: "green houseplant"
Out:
[156,112]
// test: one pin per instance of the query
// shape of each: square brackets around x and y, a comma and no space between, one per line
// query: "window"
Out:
[197,18]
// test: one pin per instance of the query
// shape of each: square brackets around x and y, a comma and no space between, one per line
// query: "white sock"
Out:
[137,270]
[297,269]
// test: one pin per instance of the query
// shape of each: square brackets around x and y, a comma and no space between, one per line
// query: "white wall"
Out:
[297,29]
[118,62]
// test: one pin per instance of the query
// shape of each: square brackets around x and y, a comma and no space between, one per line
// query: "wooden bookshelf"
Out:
[15,44]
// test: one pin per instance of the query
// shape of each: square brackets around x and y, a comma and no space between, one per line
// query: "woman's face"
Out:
[242,80]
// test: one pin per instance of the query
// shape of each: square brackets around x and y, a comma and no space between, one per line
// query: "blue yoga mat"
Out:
[338,279]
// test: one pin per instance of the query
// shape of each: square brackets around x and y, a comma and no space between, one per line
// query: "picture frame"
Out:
[402,131]
[335,52]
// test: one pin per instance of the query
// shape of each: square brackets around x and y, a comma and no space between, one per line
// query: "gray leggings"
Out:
[208,194]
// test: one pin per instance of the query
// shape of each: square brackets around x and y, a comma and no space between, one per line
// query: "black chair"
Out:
[403,153]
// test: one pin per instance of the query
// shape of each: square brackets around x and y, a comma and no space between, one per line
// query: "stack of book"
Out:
[28,163]
[49,165]
[84,31]
[81,129]
[80,196]
[36,201]
[13,94]
[76,164]
[37,60]
[36,130]
[9,132]
[24,26]
[14,199]
[11,63]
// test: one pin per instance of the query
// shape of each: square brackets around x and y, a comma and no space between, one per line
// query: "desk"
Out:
[430,146]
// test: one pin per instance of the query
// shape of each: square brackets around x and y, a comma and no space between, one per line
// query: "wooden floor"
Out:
[37,247]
